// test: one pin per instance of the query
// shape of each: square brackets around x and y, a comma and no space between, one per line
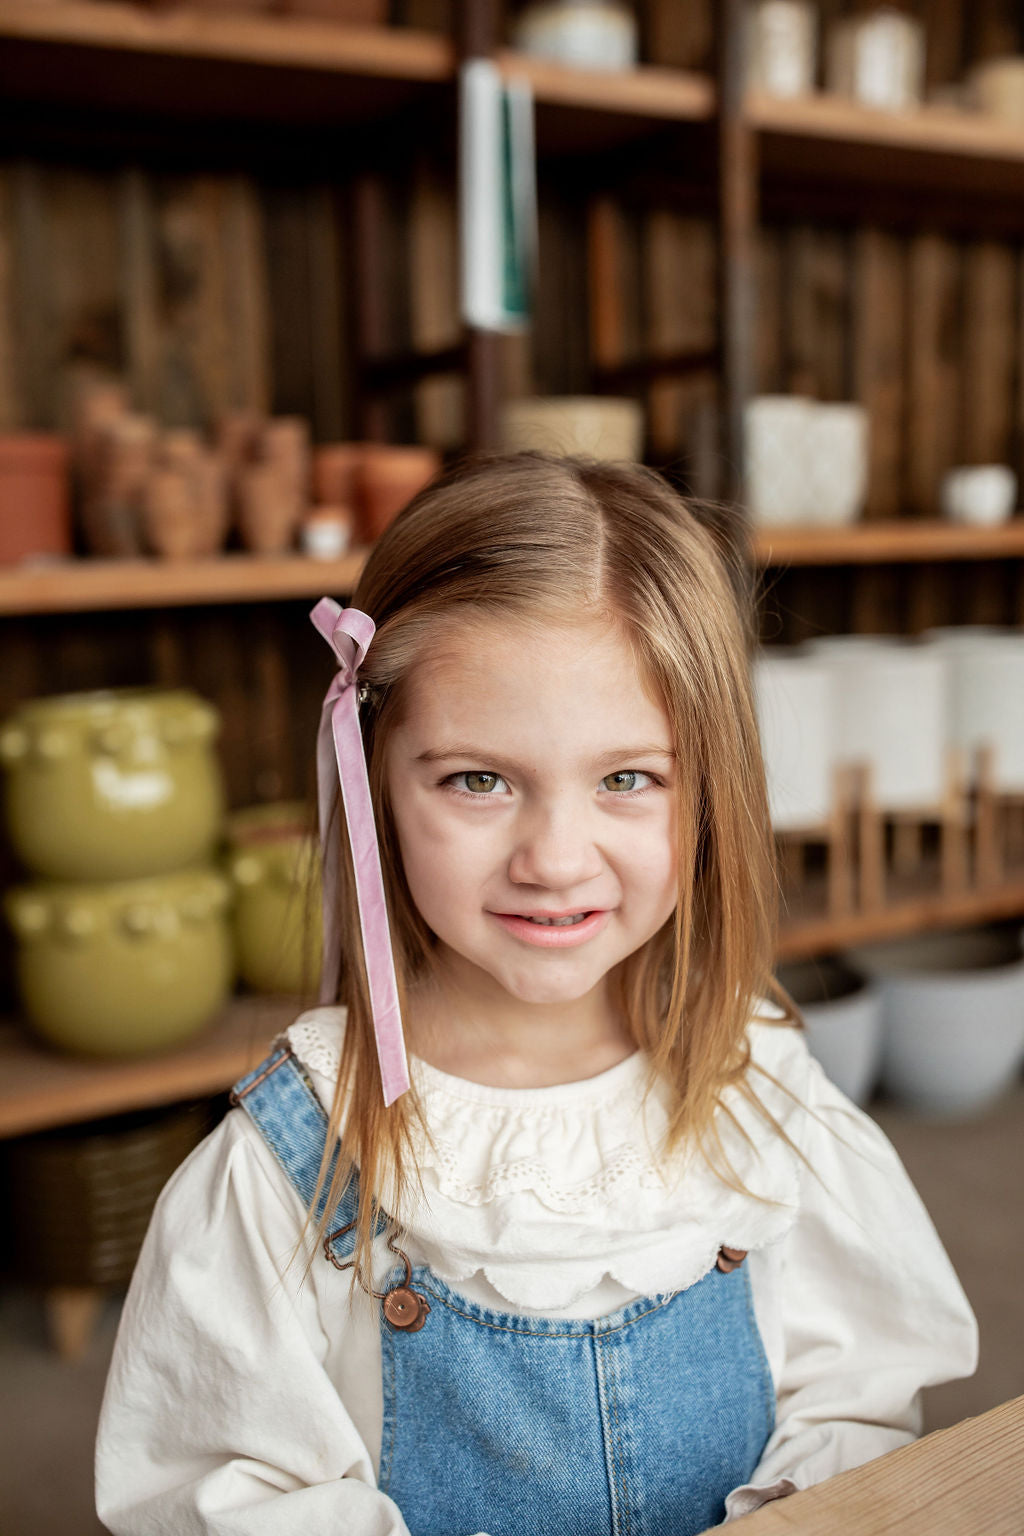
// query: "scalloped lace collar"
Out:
[547,1191]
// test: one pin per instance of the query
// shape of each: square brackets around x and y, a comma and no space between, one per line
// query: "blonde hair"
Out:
[528,535]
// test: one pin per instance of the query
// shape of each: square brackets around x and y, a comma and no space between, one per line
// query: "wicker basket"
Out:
[81,1198]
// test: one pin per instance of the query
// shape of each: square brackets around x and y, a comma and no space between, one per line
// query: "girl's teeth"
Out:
[558,922]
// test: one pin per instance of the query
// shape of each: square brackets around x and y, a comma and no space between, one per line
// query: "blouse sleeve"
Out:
[220,1417]
[864,1305]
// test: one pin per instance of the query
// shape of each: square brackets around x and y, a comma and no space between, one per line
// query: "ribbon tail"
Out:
[373,915]
[330,970]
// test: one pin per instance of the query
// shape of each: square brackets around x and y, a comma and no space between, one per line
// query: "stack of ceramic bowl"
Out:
[274,866]
[953,1016]
[114,803]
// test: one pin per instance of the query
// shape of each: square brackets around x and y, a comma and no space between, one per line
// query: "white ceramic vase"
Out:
[781,41]
[837,463]
[985,669]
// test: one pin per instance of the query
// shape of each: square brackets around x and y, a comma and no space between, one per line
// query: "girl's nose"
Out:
[554,850]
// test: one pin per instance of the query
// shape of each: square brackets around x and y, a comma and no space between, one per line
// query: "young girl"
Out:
[621,1260]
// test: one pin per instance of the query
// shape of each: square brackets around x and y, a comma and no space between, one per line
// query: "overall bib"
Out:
[638,1423]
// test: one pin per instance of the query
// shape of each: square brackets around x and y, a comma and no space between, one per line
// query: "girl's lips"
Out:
[546,937]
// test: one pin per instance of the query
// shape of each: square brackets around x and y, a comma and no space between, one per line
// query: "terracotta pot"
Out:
[35,514]
[284,444]
[185,503]
[112,785]
[269,509]
[336,473]
[389,477]
[274,864]
[125,968]
[112,500]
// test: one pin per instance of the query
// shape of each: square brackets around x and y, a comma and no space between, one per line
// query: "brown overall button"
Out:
[730,1259]
[406,1309]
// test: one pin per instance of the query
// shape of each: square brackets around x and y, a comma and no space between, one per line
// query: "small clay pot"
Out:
[336,473]
[269,509]
[389,477]
[35,516]
[112,501]
[284,444]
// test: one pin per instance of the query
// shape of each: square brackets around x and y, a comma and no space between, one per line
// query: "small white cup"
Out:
[982,495]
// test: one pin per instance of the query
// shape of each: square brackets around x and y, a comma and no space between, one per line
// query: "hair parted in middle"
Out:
[532,537]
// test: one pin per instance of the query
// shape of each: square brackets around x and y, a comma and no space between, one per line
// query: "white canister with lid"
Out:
[782,44]
[878,59]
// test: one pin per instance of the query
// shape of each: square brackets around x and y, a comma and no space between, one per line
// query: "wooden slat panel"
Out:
[879,317]
[934,369]
[988,353]
[681,308]
[10,393]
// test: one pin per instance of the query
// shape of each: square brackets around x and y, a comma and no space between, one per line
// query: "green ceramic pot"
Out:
[123,969]
[274,866]
[112,785]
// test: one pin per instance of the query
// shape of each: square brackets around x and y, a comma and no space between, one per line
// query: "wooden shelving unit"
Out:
[175,63]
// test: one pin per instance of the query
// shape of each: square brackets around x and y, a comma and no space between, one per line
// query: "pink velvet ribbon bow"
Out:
[340,751]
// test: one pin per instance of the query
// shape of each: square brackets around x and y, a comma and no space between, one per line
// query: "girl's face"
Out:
[531,783]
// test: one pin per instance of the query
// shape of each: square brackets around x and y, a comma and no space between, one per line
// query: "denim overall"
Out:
[633,1424]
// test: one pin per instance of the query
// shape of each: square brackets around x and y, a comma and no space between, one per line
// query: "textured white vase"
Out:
[843,1014]
[837,463]
[953,1017]
[776,442]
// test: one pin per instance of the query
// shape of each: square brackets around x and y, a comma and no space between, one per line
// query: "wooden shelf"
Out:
[933,151]
[804,936]
[884,542]
[186,61]
[40,1088]
[80,586]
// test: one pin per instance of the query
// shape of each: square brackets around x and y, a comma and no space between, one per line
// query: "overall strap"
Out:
[281,1102]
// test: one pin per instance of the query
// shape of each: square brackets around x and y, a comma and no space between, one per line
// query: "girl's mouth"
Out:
[553,931]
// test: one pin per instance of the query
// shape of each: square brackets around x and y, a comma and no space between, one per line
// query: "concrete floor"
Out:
[969,1173]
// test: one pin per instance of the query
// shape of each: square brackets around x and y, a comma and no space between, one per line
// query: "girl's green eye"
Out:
[625,780]
[480,783]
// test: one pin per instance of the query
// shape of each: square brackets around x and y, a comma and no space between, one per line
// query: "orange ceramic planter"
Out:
[35,516]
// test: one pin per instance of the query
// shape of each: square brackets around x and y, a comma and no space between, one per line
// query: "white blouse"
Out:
[245,1393]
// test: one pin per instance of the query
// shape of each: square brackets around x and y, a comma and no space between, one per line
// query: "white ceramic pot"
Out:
[782,45]
[843,1014]
[776,441]
[890,715]
[981,495]
[953,1011]
[837,463]
[597,427]
[878,59]
[589,34]
[985,670]
[794,712]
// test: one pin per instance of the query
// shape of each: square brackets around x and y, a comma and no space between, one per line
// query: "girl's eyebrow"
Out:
[468,751]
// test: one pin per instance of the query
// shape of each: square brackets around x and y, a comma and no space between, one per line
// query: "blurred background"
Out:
[265,265]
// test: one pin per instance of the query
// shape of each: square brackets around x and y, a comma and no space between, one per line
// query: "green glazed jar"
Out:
[274,864]
[123,969]
[112,785]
